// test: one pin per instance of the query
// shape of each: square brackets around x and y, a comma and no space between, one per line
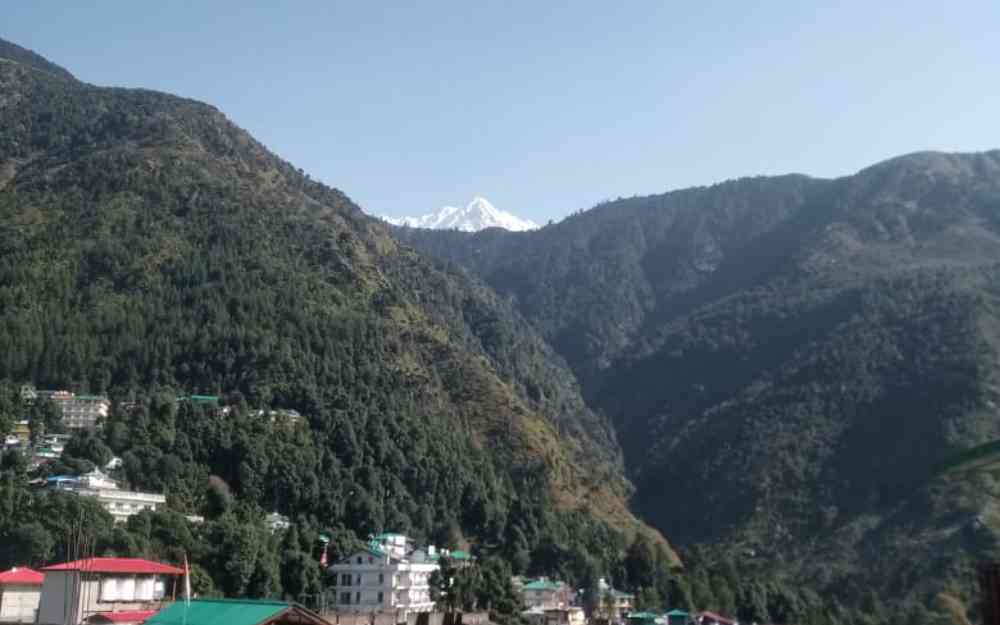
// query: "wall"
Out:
[18,603]
[58,601]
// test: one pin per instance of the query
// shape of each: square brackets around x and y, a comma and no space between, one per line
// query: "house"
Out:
[20,589]
[387,576]
[570,615]
[120,503]
[711,618]
[235,612]
[614,604]
[277,522]
[107,588]
[642,618]
[546,593]
[677,617]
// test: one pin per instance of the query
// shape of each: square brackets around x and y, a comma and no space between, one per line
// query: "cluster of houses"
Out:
[128,591]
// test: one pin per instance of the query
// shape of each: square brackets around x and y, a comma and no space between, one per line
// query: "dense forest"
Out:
[149,249]
[786,361]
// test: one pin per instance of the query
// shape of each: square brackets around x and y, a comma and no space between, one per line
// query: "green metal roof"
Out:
[676,612]
[459,555]
[541,584]
[213,611]
[642,615]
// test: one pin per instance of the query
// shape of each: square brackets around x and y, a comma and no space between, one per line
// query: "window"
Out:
[345,579]
[381,580]
[380,596]
[144,588]
[357,597]
[109,589]
[345,598]
[358,580]
[359,559]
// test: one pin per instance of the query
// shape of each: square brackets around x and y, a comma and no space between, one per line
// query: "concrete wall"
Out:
[18,603]
[58,604]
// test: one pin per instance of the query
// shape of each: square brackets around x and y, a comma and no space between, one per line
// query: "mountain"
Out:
[786,361]
[149,248]
[12,52]
[477,215]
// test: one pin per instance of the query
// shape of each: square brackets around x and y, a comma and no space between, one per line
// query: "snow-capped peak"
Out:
[477,215]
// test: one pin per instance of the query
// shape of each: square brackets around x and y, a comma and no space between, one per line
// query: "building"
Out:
[387,576]
[677,617]
[711,618]
[79,412]
[277,522]
[120,503]
[235,612]
[546,593]
[104,588]
[615,604]
[20,590]
[569,615]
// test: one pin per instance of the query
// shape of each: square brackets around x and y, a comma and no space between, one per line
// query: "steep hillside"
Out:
[786,361]
[148,246]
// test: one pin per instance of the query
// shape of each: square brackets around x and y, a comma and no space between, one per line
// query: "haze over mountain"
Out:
[786,360]
[477,215]
[150,248]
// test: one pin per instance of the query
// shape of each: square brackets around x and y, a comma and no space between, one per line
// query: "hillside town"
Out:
[392,580]
[387,583]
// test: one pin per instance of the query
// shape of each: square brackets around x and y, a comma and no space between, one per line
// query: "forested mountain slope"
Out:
[149,247]
[786,361]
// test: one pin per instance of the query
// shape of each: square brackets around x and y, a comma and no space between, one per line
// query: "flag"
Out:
[187,581]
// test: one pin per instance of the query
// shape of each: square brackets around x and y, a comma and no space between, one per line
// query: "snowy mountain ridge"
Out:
[477,215]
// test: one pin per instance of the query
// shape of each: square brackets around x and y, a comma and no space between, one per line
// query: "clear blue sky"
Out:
[545,107]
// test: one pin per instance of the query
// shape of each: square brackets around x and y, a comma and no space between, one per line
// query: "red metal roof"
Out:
[135,616]
[116,565]
[718,618]
[21,575]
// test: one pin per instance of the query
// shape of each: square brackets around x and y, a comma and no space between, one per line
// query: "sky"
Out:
[550,107]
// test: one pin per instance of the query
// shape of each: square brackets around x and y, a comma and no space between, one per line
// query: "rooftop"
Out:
[117,565]
[131,616]
[542,584]
[21,575]
[230,612]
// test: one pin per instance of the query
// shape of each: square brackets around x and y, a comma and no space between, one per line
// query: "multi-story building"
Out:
[120,503]
[387,576]
[85,590]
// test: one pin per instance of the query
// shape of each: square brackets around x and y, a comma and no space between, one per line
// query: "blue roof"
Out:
[63,478]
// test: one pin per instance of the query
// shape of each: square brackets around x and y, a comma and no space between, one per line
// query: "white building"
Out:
[120,503]
[277,522]
[388,576]
[20,589]
[76,591]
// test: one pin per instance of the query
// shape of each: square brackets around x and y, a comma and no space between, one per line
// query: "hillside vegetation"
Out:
[150,248]
[786,361]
